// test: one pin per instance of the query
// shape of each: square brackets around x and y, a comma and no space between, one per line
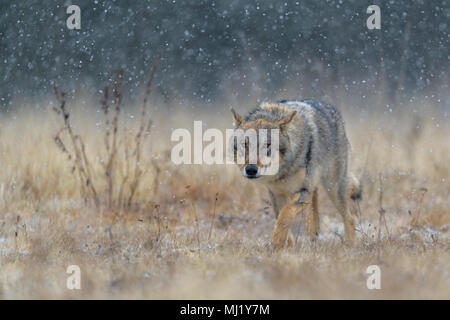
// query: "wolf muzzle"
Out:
[251,171]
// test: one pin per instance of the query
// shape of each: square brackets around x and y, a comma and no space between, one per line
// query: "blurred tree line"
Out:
[211,47]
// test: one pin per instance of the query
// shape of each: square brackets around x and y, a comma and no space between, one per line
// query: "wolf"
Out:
[313,150]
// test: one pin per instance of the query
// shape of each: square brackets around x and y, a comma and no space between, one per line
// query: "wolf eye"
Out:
[268,149]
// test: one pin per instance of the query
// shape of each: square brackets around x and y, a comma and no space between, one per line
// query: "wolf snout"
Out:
[251,171]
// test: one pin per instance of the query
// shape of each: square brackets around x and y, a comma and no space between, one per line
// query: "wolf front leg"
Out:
[287,215]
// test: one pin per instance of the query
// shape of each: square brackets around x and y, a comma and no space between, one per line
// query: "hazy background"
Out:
[212,51]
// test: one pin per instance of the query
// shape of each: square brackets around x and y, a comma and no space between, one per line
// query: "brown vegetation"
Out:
[106,197]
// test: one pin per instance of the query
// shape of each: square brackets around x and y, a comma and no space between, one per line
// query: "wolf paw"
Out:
[282,242]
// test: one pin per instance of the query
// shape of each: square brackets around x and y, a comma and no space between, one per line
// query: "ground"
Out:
[203,232]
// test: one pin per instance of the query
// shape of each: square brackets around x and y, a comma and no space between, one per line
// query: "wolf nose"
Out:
[251,170]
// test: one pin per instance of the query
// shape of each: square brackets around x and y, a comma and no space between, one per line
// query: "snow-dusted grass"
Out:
[160,246]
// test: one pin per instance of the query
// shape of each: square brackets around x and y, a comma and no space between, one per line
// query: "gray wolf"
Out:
[313,150]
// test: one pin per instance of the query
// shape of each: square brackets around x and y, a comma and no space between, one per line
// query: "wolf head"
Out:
[260,144]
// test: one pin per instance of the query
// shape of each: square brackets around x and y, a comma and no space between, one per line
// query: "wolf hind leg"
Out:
[312,223]
[349,222]
[338,195]
[349,226]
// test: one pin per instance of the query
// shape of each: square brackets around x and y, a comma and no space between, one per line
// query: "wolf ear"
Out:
[237,118]
[286,119]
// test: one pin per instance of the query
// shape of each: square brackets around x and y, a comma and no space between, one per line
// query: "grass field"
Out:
[145,228]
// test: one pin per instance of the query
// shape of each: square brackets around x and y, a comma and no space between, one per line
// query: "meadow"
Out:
[105,196]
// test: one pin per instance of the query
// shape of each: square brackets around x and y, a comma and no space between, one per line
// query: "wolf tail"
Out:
[355,188]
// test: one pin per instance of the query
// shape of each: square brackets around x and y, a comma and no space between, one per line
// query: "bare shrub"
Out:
[114,187]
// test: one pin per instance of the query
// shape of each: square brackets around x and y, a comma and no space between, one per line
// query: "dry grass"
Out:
[174,239]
